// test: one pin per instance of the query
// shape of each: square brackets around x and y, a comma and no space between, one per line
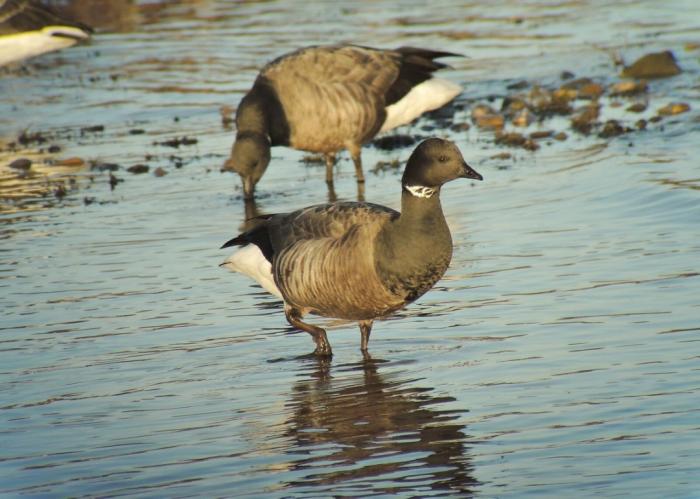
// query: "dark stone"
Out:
[654,65]
[22,164]
[138,169]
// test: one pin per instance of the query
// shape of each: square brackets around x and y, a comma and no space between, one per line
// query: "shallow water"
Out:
[557,357]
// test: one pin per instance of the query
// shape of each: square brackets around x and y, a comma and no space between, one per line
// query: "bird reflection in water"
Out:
[362,432]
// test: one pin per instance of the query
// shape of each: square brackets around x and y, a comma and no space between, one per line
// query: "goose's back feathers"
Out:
[331,96]
[349,89]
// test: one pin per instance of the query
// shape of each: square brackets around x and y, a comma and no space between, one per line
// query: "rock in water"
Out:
[655,65]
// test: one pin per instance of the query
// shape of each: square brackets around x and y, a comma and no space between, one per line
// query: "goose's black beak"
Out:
[470,172]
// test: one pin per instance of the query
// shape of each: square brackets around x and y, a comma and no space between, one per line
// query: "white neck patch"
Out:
[420,191]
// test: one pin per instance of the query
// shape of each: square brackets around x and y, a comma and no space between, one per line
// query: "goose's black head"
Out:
[249,158]
[433,163]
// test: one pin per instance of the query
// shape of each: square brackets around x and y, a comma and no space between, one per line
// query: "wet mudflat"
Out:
[558,357]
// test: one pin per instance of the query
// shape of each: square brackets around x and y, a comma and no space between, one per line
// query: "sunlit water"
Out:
[558,357]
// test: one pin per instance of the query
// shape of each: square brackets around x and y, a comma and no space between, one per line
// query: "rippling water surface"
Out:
[558,357]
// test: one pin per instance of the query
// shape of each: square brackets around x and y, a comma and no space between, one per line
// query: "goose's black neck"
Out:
[414,250]
[260,112]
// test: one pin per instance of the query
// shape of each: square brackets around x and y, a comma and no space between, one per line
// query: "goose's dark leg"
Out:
[365,329]
[317,333]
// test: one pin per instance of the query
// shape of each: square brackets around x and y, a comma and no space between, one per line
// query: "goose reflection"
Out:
[362,432]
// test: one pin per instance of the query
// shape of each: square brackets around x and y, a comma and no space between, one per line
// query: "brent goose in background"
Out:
[327,98]
[352,260]
[29,28]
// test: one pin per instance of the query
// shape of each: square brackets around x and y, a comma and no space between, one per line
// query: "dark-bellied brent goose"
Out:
[29,28]
[327,98]
[355,260]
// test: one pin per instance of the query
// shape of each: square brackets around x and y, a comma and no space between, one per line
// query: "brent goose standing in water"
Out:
[352,260]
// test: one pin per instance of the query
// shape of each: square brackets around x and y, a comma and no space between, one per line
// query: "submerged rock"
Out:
[654,65]
[541,134]
[510,139]
[637,107]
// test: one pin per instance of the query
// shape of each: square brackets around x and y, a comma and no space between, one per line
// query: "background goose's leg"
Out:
[330,163]
[318,334]
[356,155]
[365,330]
[360,191]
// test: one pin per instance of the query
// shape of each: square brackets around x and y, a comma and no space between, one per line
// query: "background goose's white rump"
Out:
[427,96]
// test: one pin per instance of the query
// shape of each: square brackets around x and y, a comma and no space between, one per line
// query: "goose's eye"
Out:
[442,159]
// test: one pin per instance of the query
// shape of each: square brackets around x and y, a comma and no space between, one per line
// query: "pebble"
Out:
[70,162]
[541,134]
[523,118]
[612,128]
[626,88]
[502,156]
[160,172]
[637,107]
[673,109]
[495,121]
